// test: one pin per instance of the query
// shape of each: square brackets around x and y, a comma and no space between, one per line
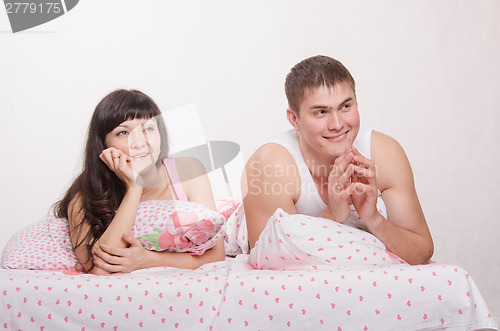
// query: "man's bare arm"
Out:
[268,183]
[407,234]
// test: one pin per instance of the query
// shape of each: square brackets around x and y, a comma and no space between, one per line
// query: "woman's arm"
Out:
[78,230]
[123,220]
[136,257]
[112,236]
[197,188]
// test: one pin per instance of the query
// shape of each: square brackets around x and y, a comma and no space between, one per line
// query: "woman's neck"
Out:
[153,178]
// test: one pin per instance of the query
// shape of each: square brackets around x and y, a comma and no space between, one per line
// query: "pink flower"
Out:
[183,230]
[177,224]
[226,207]
[200,232]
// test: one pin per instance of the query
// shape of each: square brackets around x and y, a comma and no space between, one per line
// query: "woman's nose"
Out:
[137,138]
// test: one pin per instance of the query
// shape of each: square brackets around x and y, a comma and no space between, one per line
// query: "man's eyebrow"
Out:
[319,107]
[346,101]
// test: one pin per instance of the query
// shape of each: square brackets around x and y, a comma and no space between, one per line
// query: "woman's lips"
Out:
[139,157]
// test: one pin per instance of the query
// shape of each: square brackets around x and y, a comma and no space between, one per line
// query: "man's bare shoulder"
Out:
[390,159]
[272,159]
[272,153]
[272,165]
[382,145]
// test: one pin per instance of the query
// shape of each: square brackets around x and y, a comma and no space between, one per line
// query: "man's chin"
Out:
[335,153]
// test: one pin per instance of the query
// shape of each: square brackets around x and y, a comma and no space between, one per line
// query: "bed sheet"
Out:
[231,295]
[161,298]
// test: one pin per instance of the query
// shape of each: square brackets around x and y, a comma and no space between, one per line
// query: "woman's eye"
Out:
[121,133]
[149,129]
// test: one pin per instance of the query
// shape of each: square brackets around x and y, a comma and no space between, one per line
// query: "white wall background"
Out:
[427,72]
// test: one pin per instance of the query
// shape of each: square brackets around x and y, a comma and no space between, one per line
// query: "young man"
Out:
[327,167]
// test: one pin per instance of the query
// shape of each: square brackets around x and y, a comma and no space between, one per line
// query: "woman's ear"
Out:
[293,119]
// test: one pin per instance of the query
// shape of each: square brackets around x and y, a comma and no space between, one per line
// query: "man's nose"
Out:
[334,121]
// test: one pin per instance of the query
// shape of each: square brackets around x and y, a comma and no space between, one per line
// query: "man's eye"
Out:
[346,107]
[321,112]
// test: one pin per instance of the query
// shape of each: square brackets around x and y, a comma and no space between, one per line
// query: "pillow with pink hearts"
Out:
[43,245]
[177,226]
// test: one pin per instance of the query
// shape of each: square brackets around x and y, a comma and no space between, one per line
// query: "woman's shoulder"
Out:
[189,167]
[75,209]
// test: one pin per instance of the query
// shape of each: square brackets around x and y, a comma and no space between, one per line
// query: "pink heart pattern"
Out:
[232,295]
[321,290]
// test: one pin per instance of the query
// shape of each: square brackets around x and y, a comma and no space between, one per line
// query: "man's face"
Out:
[328,121]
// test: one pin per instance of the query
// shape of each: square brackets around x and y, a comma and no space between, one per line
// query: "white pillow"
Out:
[297,241]
[42,245]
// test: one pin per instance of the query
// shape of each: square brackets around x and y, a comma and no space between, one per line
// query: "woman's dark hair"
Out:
[98,188]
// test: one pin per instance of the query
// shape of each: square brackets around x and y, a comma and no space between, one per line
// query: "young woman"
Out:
[124,164]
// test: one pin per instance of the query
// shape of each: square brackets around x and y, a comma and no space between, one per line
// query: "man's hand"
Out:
[340,187]
[365,192]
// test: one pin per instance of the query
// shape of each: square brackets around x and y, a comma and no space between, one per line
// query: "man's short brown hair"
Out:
[314,72]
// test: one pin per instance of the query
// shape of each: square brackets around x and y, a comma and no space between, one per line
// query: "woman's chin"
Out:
[146,176]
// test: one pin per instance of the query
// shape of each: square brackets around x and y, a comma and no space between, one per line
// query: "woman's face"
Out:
[139,139]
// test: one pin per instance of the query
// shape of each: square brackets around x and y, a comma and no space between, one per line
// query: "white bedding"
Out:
[304,273]
[233,295]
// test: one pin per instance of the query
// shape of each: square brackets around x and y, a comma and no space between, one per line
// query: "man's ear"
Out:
[293,119]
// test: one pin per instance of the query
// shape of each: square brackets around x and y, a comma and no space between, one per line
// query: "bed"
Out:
[233,295]
[276,286]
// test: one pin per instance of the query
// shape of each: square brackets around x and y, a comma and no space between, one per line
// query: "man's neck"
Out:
[319,166]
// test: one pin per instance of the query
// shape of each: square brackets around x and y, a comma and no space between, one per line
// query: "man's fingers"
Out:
[359,188]
[343,161]
[366,174]
[359,159]
[345,178]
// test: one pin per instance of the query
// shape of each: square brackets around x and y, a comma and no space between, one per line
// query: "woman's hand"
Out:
[119,163]
[122,260]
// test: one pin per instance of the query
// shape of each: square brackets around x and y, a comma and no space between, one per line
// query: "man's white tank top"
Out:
[310,202]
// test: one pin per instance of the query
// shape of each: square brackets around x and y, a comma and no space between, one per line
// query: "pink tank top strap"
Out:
[169,163]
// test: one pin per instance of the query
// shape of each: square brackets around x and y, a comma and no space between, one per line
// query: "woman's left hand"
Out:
[122,260]
[364,197]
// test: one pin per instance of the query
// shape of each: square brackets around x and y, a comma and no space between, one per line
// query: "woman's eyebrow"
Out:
[122,126]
